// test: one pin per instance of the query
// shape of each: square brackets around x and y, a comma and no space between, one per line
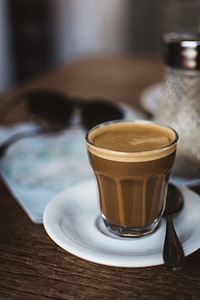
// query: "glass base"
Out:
[131,232]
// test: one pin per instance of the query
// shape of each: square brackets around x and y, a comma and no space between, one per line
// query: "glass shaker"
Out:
[179,105]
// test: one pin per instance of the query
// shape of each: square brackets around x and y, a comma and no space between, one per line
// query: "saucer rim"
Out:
[53,229]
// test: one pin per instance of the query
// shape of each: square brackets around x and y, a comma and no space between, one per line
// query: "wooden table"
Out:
[32,266]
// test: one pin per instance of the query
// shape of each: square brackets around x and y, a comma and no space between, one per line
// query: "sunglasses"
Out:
[53,109]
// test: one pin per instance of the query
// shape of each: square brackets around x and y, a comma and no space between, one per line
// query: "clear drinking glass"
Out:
[132,162]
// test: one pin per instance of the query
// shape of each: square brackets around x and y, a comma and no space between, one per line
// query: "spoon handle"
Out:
[173,253]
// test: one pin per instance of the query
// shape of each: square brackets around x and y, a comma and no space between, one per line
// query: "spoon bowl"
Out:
[173,254]
[174,202]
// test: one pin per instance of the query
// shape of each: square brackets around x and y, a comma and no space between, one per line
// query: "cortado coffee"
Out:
[132,162]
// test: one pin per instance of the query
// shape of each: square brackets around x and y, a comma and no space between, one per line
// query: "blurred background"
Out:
[37,35]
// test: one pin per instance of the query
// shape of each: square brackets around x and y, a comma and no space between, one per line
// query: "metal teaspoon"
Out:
[173,254]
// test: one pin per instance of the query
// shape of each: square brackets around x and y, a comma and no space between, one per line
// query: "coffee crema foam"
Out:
[140,141]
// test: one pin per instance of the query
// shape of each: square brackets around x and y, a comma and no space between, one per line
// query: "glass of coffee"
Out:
[132,161]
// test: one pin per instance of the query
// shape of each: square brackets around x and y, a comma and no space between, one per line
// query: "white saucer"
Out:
[72,220]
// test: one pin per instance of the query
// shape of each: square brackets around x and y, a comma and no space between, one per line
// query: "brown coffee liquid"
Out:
[132,162]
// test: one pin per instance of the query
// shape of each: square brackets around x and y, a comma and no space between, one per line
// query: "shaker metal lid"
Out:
[182,50]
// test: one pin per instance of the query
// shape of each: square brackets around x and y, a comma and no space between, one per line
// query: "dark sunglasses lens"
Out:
[99,111]
[52,107]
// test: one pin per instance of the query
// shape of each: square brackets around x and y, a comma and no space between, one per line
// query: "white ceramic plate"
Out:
[72,220]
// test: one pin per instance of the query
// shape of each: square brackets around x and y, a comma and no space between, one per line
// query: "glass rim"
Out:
[133,153]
